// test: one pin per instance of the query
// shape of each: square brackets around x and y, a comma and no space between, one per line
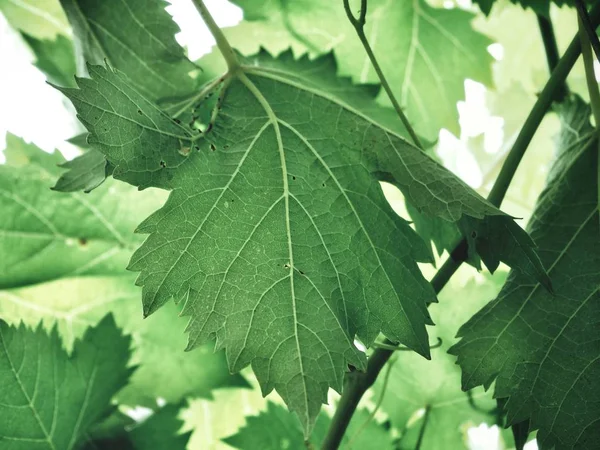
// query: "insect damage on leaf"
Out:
[276,233]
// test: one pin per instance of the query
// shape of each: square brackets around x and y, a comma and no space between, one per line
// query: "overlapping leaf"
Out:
[276,429]
[49,399]
[276,233]
[426,53]
[542,349]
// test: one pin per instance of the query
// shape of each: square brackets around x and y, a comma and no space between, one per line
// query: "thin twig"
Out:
[552,56]
[590,29]
[423,426]
[368,420]
[359,382]
[359,26]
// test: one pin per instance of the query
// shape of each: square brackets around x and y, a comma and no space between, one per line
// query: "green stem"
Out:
[590,76]
[586,24]
[552,56]
[359,26]
[222,43]
[423,427]
[543,103]
[358,382]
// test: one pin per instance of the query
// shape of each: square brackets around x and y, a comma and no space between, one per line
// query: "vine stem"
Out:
[223,45]
[551,48]
[585,25]
[358,382]
[359,26]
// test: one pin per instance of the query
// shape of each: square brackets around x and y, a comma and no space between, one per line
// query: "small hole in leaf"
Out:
[323,184]
[177,121]
[82,242]
[293,178]
[140,112]
[212,147]
[474,234]
[163,164]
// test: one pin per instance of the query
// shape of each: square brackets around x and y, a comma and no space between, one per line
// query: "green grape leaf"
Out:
[542,349]
[137,37]
[407,36]
[301,165]
[55,58]
[85,173]
[50,398]
[45,235]
[276,429]
[159,431]
[415,384]
[42,19]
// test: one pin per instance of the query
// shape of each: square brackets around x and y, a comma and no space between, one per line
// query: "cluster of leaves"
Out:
[276,240]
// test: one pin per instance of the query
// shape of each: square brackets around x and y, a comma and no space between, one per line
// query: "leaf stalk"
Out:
[359,26]
[223,45]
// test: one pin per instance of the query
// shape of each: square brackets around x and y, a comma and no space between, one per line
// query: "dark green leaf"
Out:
[542,349]
[50,399]
[301,165]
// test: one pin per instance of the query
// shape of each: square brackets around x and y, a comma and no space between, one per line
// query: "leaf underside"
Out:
[276,232]
[542,349]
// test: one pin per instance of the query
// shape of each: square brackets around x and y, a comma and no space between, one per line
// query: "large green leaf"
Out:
[45,235]
[319,255]
[426,53]
[542,349]
[276,429]
[415,384]
[43,19]
[50,399]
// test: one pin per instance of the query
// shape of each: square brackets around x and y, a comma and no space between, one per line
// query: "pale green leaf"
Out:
[43,19]
[426,53]
[46,235]
[85,173]
[50,399]
[319,255]
[542,349]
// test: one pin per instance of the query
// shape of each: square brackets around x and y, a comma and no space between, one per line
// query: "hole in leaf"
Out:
[163,164]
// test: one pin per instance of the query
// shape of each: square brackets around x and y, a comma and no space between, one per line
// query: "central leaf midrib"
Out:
[286,193]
